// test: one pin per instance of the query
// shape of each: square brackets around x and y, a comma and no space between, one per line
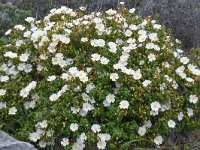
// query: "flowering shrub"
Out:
[110,78]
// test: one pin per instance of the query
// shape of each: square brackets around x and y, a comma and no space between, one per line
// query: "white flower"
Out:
[65,142]
[137,75]
[19,43]
[106,103]
[100,43]
[124,104]
[34,136]
[51,78]
[2,92]
[151,57]
[158,140]
[4,78]
[89,87]
[104,60]
[155,106]
[171,124]
[114,76]
[66,76]
[53,97]
[184,60]
[133,27]
[153,113]
[74,127]
[21,66]
[156,47]
[96,128]
[85,97]
[30,104]
[88,69]
[132,10]
[147,124]
[59,56]
[84,39]
[157,26]
[50,133]
[101,145]
[142,38]
[128,33]
[193,99]
[55,61]
[10,54]
[2,105]
[95,57]
[30,19]
[190,112]
[113,49]
[82,76]
[100,27]
[87,107]
[150,46]
[12,111]
[24,93]
[8,32]
[64,39]
[190,80]
[142,130]
[180,116]
[24,57]
[43,124]
[83,137]
[42,144]
[19,27]
[107,136]
[110,98]
[82,8]
[145,83]
[102,137]
[153,37]
[32,84]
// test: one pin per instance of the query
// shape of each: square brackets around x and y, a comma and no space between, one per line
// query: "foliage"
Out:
[109,77]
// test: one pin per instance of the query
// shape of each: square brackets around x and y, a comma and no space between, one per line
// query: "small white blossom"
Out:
[171,124]
[101,145]
[190,112]
[42,144]
[110,98]
[96,128]
[146,83]
[155,106]
[132,10]
[65,142]
[104,60]
[158,140]
[114,76]
[74,127]
[95,57]
[151,57]
[51,78]
[193,99]
[142,130]
[2,92]
[12,111]
[124,104]
[180,116]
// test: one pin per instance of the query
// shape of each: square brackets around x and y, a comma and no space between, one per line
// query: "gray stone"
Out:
[9,143]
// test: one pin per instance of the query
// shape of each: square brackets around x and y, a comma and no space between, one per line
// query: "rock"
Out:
[9,143]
